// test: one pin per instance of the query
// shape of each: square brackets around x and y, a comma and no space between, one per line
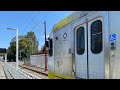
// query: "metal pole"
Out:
[20,55]
[17,48]
[5,57]
[45,45]
[27,53]
[32,46]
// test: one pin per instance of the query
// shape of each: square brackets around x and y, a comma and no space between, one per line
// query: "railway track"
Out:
[34,71]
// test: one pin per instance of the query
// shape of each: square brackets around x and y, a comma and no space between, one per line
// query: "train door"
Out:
[80,51]
[89,49]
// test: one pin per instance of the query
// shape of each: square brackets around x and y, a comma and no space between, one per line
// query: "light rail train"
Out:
[85,45]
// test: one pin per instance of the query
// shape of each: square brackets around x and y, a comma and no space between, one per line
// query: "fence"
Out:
[38,60]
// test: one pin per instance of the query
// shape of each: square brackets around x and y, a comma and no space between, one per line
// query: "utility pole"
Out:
[45,45]
[31,40]
[5,58]
[16,45]
[32,46]
[20,55]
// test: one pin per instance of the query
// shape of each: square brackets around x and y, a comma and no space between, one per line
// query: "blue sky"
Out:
[26,21]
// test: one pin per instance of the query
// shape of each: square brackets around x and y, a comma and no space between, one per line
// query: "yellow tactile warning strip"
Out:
[52,75]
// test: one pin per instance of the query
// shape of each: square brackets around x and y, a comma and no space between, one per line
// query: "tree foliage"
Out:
[28,45]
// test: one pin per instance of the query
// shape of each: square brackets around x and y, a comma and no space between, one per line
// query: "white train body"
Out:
[86,45]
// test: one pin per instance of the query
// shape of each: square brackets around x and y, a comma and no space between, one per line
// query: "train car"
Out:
[85,45]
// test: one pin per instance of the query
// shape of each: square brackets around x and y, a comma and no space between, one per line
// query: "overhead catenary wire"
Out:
[36,24]
[25,29]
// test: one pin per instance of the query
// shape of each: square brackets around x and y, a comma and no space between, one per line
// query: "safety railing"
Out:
[18,73]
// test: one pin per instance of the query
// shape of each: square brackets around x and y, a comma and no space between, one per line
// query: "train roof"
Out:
[68,19]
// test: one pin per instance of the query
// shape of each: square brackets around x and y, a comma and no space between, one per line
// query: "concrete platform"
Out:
[8,75]
[2,74]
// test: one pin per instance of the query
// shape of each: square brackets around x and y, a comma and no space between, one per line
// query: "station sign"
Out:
[2,50]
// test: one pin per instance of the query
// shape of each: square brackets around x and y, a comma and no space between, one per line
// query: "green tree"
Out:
[32,43]
[28,45]
[11,52]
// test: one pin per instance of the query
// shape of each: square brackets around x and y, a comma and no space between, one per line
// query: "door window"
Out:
[96,37]
[80,40]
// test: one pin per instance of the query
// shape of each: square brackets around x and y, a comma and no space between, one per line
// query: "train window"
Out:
[51,48]
[80,40]
[96,37]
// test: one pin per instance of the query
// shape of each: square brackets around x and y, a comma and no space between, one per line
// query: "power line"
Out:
[36,24]
[30,22]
